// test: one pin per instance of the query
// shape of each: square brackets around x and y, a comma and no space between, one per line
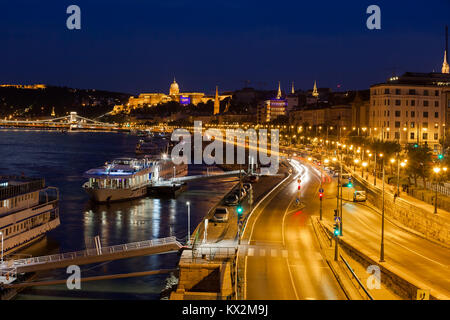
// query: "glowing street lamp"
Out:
[437,170]
[356,161]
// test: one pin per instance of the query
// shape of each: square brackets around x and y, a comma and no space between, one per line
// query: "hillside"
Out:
[24,102]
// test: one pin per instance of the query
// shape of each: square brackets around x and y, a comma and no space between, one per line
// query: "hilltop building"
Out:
[154,99]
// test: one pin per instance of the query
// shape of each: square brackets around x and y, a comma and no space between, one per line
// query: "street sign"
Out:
[350,178]
[337,219]
[321,190]
[423,294]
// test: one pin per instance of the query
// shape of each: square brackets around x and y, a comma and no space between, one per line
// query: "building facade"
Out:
[410,108]
[154,99]
[337,116]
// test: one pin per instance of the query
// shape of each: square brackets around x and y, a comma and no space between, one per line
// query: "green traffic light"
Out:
[239,209]
[440,156]
[336,232]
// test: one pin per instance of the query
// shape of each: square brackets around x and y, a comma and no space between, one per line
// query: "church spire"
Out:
[292,89]
[445,66]
[279,91]
[217,102]
[315,93]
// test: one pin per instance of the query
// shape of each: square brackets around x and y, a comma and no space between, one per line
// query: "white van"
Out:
[359,196]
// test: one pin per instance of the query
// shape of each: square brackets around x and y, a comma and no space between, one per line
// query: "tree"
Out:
[419,162]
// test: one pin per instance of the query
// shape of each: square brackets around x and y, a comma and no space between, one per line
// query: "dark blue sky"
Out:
[139,45]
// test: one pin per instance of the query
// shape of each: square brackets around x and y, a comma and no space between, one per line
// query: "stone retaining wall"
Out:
[430,225]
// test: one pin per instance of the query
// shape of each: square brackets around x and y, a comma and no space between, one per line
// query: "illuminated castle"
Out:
[154,99]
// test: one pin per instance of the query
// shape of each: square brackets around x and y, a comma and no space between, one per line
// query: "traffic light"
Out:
[416,145]
[336,229]
[320,195]
[239,210]
[347,185]
[440,156]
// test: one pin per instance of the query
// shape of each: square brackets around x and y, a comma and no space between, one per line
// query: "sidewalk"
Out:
[414,215]
[389,192]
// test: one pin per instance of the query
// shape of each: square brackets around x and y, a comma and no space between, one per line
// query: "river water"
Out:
[61,158]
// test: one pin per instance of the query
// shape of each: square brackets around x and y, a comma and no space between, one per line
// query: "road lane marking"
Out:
[250,252]
[389,237]
[292,280]
[253,226]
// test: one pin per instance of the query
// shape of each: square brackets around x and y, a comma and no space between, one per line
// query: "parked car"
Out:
[232,200]
[220,214]
[346,176]
[243,193]
[251,178]
[359,196]
[247,187]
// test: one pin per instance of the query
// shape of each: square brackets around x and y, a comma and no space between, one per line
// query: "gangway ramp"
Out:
[122,251]
[234,173]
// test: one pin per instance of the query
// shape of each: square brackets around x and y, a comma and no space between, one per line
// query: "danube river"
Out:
[61,158]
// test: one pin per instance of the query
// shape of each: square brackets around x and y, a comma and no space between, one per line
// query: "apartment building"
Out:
[411,108]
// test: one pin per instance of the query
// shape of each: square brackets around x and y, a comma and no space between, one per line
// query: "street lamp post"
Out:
[364,164]
[189,222]
[1,234]
[340,176]
[437,170]
[436,194]
[375,171]
[382,214]
[355,162]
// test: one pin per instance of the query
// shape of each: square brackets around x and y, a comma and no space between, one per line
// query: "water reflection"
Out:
[62,159]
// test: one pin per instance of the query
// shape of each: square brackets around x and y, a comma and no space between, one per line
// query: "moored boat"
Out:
[28,210]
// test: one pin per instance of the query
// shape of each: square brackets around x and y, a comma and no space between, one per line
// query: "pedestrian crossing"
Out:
[274,252]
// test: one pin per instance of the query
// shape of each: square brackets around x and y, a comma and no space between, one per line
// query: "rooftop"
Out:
[419,78]
[11,186]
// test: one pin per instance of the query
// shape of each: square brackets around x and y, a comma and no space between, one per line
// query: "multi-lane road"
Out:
[283,259]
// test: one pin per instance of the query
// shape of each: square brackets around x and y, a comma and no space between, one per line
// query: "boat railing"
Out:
[97,251]
[28,185]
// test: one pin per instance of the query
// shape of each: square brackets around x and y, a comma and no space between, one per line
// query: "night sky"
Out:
[140,45]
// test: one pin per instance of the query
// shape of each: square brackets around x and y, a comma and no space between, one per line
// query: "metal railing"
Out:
[356,277]
[326,232]
[441,188]
[214,252]
[95,252]
[27,185]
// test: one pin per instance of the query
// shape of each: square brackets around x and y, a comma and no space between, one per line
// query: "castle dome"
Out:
[174,89]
